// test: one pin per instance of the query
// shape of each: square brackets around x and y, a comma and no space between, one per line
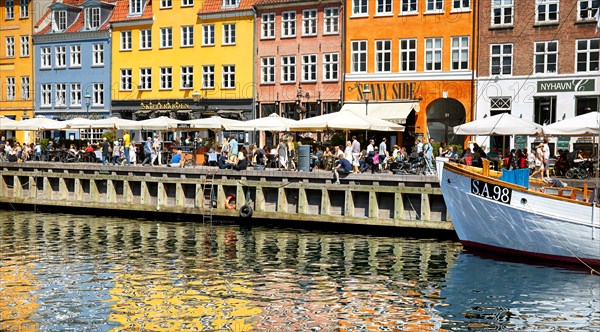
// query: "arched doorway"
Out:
[442,115]
[408,136]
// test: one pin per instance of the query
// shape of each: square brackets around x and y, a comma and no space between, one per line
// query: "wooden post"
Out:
[302,200]
[78,190]
[179,195]
[373,205]
[325,202]
[17,188]
[348,204]
[259,204]
[281,201]
[398,206]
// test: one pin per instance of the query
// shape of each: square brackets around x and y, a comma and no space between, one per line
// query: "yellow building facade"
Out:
[16,61]
[183,59]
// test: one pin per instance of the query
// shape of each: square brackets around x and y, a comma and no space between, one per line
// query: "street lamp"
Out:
[366,96]
[88,99]
[196,96]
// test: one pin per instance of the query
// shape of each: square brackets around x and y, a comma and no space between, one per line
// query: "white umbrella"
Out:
[110,123]
[272,122]
[345,120]
[583,125]
[40,123]
[498,125]
[160,123]
[7,124]
[213,123]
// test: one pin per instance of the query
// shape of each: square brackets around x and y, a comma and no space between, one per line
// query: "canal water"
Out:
[82,273]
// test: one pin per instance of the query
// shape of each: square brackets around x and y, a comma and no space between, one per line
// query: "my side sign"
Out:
[491,191]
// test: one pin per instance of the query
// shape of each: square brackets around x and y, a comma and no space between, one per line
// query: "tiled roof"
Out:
[121,12]
[216,6]
[271,2]
[45,23]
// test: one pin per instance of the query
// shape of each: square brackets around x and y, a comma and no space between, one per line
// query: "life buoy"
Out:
[246,211]
[229,205]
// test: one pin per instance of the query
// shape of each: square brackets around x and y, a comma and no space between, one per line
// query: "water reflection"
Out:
[72,272]
[488,294]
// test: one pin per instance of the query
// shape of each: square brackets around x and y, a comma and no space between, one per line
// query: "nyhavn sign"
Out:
[575,85]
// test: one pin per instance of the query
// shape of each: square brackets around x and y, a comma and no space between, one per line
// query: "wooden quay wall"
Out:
[405,201]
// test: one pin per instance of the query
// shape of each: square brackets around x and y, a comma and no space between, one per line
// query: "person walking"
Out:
[539,162]
[126,144]
[234,146]
[157,147]
[148,151]
[116,152]
[291,153]
[383,154]
[282,154]
[105,152]
[546,150]
[355,155]
[428,153]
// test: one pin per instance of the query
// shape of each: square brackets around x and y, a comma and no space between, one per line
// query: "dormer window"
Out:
[60,20]
[92,18]
[231,3]
[135,7]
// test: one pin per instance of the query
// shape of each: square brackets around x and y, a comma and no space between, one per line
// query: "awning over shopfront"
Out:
[389,111]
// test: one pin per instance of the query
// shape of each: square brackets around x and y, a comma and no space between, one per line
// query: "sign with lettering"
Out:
[384,91]
[491,191]
[164,105]
[520,141]
[563,142]
[585,84]
[184,125]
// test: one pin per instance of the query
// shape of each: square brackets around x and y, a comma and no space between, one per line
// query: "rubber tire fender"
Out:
[246,211]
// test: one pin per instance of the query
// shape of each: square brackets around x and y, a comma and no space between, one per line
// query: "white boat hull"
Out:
[517,221]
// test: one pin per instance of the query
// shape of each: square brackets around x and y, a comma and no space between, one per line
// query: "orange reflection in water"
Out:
[17,303]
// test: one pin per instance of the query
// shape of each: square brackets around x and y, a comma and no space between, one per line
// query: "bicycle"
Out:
[189,159]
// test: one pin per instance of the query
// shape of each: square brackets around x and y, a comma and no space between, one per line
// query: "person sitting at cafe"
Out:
[342,166]
[176,160]
[317,161]
[452,154]
[241,162]
[493,157]
[259,158]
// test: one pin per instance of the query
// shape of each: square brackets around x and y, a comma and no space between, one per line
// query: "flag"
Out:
[597,17]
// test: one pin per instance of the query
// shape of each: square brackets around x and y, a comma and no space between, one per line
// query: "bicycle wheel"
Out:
[571,173]
[583,174]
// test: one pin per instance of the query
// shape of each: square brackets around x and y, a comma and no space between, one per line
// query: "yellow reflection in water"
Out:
[168,302]
[17,303]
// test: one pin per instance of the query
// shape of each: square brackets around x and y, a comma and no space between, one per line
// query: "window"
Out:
[135,7]
[10,88]
[383,56]
[145,79]
[164,4]
[45,58]
[92,18]
[408,55]
[585,104]
[10,47]
[166,78]
[230,3]
[546,57]
[546,11]
[208,34]
[331,66]
[502,12]
[267,26]
[98,94]
[75,56]
[288,69]
[24,5]
[61,94]
[60,56]
[267,68]
[208,77]
[586,9]
[408,7]
[126,40]
[97,55]
[433,53]
[384,7]
[460,53]
[458,5]
[309,22]
[166,38]
[187,36]
[228,34]
[228,77]
[10,9]
[187,77]
[145,39]
[187,3]
[544,110]
[46,97]
[25,87]
[126,79]
[288,24]
[499,105]
[435,5]
[75,94]
[501,59]
[24,45]
[332,20]
[309,68]
[588,53]
[60,21]
[360,7]
[359,56]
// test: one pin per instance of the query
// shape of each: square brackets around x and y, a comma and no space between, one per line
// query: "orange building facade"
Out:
[417,59]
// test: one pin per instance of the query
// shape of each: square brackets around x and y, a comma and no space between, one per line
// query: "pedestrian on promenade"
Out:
[126,143]
[355,154]
[148,151]
[282,153]
[105,152]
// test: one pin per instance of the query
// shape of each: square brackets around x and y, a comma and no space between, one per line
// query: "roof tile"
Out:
[216,6]
[121,12]
[46,25]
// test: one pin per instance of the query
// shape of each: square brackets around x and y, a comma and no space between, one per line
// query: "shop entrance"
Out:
[442,115]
